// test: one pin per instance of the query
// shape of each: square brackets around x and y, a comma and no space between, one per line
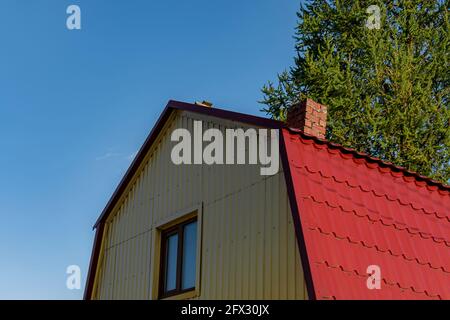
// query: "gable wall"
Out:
[248,245]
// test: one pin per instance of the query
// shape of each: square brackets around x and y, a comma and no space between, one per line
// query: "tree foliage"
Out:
[387,89]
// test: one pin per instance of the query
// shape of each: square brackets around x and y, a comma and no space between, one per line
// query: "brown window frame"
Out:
[179,230]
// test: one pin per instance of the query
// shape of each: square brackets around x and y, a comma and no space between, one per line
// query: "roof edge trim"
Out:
[296,219]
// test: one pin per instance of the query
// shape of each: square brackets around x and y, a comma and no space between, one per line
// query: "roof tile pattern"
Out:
[357,211]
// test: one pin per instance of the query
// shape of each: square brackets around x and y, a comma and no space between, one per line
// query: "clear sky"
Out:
[76,105]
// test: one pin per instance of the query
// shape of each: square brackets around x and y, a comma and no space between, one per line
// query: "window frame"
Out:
[165,234]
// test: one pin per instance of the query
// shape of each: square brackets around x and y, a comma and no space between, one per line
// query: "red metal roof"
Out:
[355,211]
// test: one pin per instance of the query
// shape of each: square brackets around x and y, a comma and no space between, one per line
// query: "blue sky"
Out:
[76,105]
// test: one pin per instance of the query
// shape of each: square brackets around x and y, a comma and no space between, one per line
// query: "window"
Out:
[178,259]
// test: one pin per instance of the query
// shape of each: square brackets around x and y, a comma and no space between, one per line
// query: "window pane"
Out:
[171,262]
[189,255]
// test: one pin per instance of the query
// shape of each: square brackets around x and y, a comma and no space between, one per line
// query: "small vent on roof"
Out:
[204,103]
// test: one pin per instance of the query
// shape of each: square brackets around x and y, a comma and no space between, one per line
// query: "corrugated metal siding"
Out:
[249,249]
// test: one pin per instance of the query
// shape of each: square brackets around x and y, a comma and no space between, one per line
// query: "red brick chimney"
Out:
[309,116]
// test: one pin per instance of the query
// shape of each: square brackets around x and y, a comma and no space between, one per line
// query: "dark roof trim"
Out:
[93,263]
[226,114]
[296,218]
[177,105]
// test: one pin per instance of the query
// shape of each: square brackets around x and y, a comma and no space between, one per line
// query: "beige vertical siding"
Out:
[248,245]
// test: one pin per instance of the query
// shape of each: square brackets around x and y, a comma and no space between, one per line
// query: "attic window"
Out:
[178,258]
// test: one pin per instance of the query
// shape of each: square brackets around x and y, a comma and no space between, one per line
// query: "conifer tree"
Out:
[386,86]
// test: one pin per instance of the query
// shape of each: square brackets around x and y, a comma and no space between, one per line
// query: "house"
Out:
[332,223]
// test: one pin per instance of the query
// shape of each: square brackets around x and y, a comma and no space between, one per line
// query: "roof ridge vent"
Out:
[204,103]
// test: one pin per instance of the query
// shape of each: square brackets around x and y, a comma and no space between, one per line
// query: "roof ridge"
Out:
[369,158]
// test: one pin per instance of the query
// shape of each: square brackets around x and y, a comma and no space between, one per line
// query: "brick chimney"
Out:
[309,116]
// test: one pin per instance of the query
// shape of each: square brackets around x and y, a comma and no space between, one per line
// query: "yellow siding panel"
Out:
[249,249]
